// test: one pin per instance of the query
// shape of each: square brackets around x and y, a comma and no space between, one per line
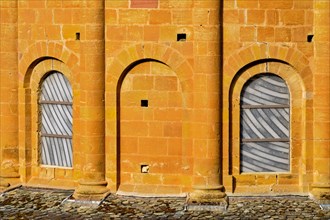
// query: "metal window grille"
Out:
[55,104]
[265,125]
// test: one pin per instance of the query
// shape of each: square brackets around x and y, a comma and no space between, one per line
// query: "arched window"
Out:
[265,125]
[55,104]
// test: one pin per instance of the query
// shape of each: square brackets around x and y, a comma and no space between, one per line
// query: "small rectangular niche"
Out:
[144,103]
[144,168]
[77,36]
[310,38]
[181,37]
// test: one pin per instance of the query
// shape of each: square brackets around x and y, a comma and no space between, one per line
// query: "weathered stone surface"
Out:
[25,203]
[189,59]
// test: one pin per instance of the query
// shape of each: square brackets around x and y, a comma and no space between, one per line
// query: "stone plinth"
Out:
[207,198]
[92,191]
[321,193]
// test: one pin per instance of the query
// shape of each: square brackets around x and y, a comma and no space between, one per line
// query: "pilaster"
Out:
[321,104]
[9,95]
[92,185]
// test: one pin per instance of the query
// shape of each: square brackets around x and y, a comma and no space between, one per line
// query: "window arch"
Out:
[55,104]
[265,125]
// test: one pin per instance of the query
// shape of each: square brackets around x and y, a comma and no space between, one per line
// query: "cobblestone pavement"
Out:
[33,203]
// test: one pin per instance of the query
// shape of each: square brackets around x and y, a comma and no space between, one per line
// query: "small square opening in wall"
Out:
[181,37]
[77,36]
[144,168]
[144,103]
[310,38]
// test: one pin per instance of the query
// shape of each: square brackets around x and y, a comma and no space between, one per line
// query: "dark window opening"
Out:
[77,36]
[181,37]
[310,38]
[144,103]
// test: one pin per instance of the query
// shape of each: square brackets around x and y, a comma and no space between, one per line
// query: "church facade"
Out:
[166,97]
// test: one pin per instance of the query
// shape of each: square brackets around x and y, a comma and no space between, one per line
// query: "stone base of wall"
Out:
[321,193]
[208,196]
[91,191]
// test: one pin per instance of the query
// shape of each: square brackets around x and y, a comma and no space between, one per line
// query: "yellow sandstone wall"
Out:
[272,36]
[255,32]
[116,53]
[9,93]
[321,104]
[177,135]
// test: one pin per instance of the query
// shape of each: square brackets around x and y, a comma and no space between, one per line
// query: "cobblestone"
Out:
[33,203]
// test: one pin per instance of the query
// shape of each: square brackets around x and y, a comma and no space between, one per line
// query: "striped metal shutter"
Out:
[265,120]
[56,121]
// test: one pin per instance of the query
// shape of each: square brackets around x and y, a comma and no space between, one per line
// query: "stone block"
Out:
[280,4]
[166,83]
[168,33]
[160,17]
[255,17]
[116,33]
[53,4]
[173,130]
[152,179]
[176,4]
[152,146]
[282,35]
[200,16]
[132,16]
[174,147]
[44,16]
[36,4]
[134,128]
[292,17]
[65,16]
[231,16]
[303,4]
[272,17]
[248,4]
[248,34]
[168,190]
[117,4]
[265,34]
[245,180]
[231,33]
[151,33]
[144,3]
[287,179]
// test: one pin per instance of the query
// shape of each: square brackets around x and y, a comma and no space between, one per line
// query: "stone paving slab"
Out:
[34,203]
